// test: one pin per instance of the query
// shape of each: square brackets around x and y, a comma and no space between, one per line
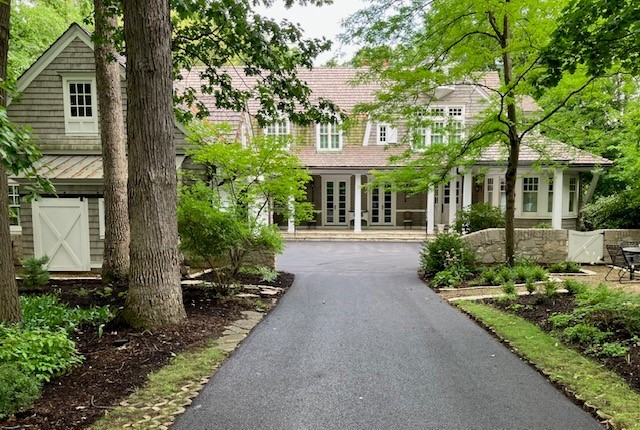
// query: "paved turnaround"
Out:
[359,342]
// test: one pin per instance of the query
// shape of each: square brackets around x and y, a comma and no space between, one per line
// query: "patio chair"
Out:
[619,261]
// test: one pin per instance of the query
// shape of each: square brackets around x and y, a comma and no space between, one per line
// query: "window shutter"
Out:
[392,135]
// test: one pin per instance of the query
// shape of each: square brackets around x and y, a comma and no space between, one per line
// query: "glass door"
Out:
[381,206]
[336,201]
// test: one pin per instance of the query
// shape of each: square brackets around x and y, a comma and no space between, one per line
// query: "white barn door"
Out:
[61,231]
[586,246]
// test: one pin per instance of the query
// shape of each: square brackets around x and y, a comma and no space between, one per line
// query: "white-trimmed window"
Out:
[446,125]
[386,134]
[329,136]
[573,193]
[530,194]
[550,196]
[277,129]
[490,191]
[14,205]
[80,106]
[503,194]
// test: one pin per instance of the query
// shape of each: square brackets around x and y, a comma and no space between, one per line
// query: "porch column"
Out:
[558,191]
[291,224]
[357,205]
[467,190]
[453,204]
[431,213]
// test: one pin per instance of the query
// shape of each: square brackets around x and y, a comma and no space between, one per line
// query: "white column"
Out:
[357,203]
[558,191]
[452,202]
[431,212]
[467,190]
[291,225]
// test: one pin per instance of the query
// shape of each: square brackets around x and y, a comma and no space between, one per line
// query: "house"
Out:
[58,102]
[341,161]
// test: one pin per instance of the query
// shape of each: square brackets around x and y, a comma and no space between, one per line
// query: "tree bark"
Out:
[115,264]
[514,148]
[9,300]
[154,296]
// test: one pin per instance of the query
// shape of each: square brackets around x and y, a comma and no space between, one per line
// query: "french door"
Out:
[336,201]
[381,206]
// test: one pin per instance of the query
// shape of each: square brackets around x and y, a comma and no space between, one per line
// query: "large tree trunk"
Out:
[154,297]
[115,264]
[9,301]
[514,149]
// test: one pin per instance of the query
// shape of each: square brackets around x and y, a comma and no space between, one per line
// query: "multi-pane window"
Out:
[420,138]
[490,191]
[447,193]
[329,136]
[503,193]
[80,102]
[573,193]
[81,116]
[437,132]
[550,196]
[530,194]
[14,205]
[277,129]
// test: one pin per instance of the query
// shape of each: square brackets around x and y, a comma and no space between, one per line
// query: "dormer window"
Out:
[387,135]
[80,112]
[446,125]
[329,136]
[277,129]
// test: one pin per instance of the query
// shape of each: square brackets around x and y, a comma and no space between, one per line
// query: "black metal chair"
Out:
[619,261]
[632,258]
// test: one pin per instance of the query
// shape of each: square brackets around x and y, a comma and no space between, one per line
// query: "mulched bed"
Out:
[112,368]
[537,309]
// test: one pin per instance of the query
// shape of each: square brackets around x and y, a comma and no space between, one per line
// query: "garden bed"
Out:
[117,360]
[538,309]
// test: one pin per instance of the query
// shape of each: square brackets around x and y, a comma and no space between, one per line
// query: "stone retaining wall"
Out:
[540,245]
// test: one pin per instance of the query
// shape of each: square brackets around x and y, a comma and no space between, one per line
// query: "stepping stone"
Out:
[268,293]
[247,296]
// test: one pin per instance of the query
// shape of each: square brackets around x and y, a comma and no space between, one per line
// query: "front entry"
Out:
[382,202]
[336,200]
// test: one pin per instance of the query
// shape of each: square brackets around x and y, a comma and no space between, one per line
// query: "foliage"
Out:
[600,34]
[560,320]
[591,381]
[565,267]
[530,286]
[35,274]
[453,275]
[210,35]
[551,288]
[585,334]
[524,271]
[615,211]
[438,254]
[217,236]
[39,352]
[509,288]
[46,312]
[36,24]
[542,225]
[266,273]
[478,217]
[612,349]
[17,390]
[574,287]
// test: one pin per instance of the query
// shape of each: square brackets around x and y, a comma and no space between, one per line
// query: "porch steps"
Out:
[349,236]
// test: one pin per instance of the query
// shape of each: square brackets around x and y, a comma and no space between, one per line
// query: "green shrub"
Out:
[543,225]
[445,250]
[612,349]
[266,274]
[530,286]
[39,352]
[505,274]
[34,274]
[618,210]
[478,217]
[610,309]
[488,277]
[538,274]
[551,288]
[452,276]
[17,390]
[46,312]
[561,320]
[574,287]
[509,288]
[565,267]
[585,334]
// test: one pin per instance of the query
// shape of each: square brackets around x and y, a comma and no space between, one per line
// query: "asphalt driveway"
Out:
[360,343]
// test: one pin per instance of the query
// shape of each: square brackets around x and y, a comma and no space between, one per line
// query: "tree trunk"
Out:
[115,264]
[9,301]
[514,149]
[154,297]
